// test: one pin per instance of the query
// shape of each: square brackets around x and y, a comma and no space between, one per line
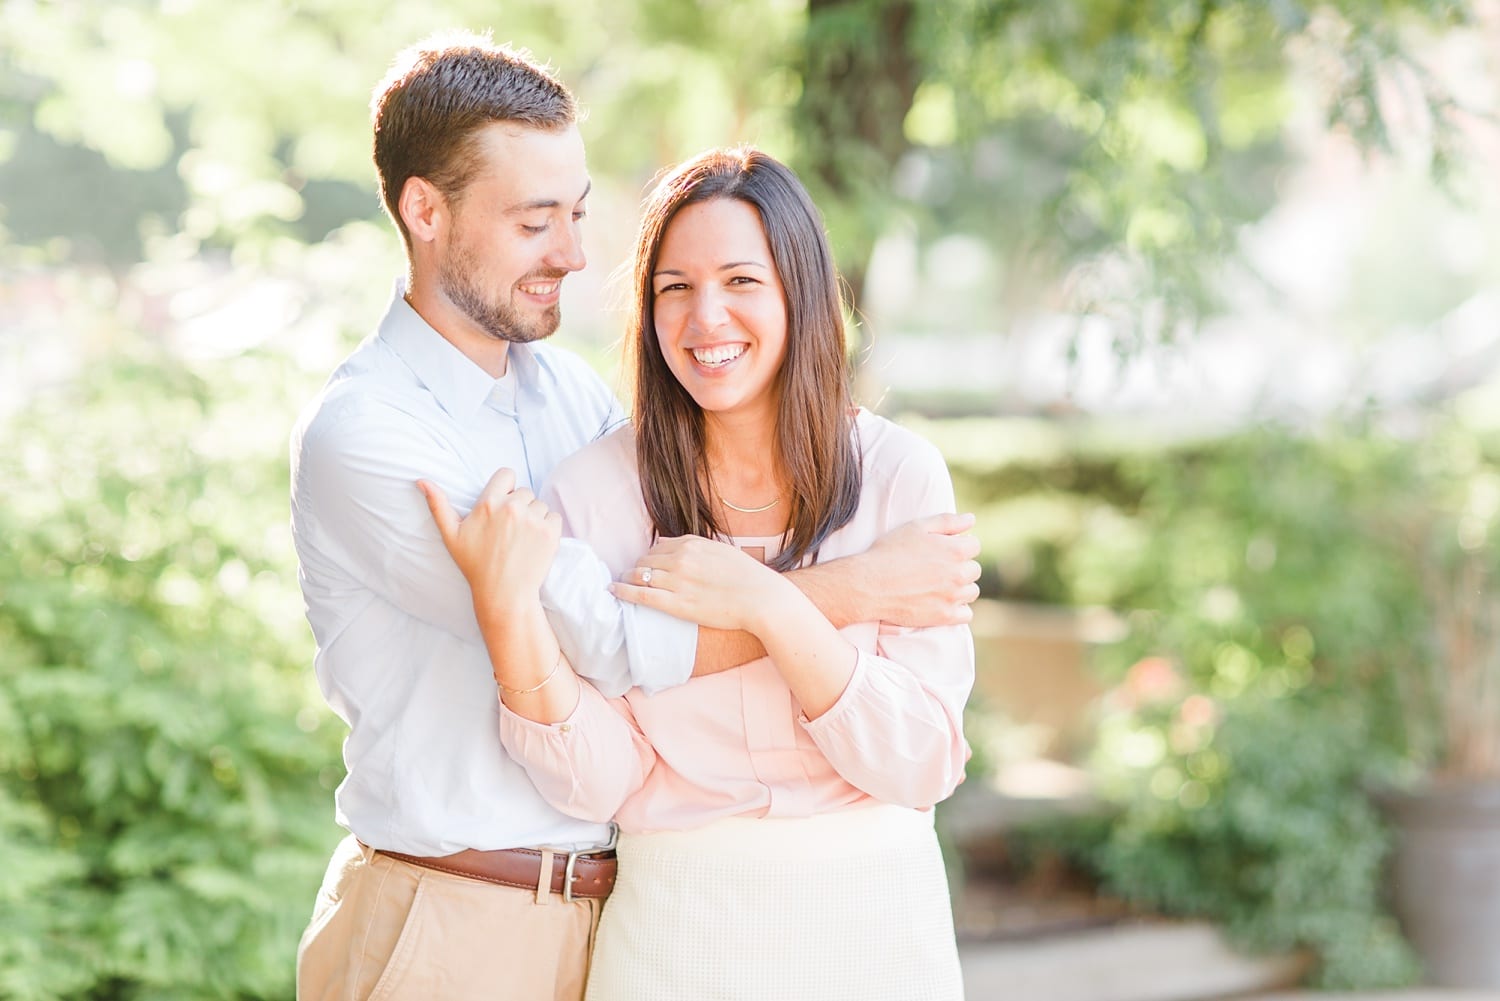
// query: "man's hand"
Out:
[505,545]
[924,572]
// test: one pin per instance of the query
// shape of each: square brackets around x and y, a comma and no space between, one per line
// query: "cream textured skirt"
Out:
[850,905]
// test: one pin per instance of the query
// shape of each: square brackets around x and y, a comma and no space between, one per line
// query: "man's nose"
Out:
[567,251]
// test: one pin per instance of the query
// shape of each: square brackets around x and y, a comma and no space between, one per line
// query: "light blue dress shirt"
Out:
[400,658]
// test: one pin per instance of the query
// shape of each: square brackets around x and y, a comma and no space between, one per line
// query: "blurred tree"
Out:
[1131,138]
[1123,141]
[122,122]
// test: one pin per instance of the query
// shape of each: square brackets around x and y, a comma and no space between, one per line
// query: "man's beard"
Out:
[494,316]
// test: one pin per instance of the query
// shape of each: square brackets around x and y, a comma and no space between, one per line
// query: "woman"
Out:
[776,824]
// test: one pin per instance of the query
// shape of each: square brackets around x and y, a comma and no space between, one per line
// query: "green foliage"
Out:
[231,127]
[1258,822]
[1331,565]
[1287,649]
[1124,142]
[1264,826]
[1131,139]
[1259,563]
[164,777]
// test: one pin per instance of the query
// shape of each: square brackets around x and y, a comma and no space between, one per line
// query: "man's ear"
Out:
[423,209]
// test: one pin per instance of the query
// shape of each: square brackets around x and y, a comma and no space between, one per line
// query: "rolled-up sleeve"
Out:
[587,764]
[613,643]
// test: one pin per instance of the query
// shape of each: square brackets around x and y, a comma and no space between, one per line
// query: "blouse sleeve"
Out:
[586,765]
[896,732]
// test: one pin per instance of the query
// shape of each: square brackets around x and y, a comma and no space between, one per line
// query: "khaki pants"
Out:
[386,929]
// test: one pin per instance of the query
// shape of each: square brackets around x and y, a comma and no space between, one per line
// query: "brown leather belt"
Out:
[574,874]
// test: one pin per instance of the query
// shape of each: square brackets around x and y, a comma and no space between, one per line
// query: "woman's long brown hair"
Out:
[816,451]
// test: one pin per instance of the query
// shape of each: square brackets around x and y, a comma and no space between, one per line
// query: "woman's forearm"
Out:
[814,660]
[535,679]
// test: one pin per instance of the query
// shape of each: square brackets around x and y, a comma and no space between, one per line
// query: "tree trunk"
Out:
[860,74]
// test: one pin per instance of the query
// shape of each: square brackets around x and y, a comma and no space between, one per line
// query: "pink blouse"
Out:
[737,742]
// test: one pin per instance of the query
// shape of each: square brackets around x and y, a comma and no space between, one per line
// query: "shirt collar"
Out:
[533,371]
[459,386]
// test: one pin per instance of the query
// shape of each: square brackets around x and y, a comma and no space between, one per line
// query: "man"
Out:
[457,879]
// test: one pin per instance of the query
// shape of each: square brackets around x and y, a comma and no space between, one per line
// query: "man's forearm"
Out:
[839,590]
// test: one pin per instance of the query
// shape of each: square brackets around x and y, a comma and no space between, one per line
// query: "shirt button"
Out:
[564,727]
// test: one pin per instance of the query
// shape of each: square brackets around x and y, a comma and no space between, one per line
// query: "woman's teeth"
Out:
[721,355]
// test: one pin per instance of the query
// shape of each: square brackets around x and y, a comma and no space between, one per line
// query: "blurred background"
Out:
[1200,298]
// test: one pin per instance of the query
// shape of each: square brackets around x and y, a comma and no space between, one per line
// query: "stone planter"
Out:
[1446,879]
[1033,667]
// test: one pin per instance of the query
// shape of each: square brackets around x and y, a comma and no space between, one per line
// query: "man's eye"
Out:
[534,230]
[580,215]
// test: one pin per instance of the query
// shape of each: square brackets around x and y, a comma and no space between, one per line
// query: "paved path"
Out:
[1149,962]
[1425,994]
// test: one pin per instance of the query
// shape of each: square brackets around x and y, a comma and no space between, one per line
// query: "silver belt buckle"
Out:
[568,877]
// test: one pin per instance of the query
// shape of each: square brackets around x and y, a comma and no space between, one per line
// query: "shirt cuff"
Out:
[515,719]
[661,648]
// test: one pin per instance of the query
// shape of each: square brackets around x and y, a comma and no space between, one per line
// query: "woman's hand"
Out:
[711,583]
[506,544]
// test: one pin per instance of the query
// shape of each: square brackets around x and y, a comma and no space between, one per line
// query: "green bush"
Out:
[164,764]
[1280,632]
[1266,829]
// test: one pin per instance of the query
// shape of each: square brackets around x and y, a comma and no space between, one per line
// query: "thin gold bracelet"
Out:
[536,687]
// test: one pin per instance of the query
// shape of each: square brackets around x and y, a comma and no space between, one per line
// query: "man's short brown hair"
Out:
[439,94]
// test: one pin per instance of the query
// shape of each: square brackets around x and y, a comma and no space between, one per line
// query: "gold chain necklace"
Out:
[749,510]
